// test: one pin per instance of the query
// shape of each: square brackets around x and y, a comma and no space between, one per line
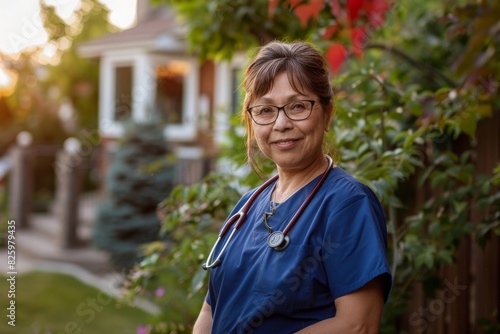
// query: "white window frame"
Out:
[108,125]
[224,94]
[144,92]
[186,131]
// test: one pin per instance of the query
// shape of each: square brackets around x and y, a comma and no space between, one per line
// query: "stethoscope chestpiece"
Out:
[278,241]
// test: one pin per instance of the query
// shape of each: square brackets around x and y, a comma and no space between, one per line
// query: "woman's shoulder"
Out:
[345,192]
[346,182]
[342,186]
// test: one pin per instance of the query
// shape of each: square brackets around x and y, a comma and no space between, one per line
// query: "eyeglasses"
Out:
[267,114]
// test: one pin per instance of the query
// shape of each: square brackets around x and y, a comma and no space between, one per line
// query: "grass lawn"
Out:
[57,303]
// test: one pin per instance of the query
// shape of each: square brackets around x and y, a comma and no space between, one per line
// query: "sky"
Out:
[20,24]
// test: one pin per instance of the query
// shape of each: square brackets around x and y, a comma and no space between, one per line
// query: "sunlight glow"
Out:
[49,54]
[22,27]
[8,81]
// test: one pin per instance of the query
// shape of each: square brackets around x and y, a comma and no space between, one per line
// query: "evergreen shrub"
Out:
[140,175]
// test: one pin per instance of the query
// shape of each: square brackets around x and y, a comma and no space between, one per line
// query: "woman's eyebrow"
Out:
[289,98]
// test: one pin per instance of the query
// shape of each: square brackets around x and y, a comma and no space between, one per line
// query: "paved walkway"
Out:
[38,249]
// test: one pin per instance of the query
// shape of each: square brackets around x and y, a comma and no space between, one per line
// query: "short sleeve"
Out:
[358,231]
[207,299]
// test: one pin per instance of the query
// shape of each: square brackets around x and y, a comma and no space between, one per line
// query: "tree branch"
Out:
[413,62]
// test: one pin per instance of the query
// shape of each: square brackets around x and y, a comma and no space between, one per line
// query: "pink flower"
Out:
[160,292]
[143,329]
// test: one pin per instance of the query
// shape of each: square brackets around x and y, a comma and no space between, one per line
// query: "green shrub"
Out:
[139,177]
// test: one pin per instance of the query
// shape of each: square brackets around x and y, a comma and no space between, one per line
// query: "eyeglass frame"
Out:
[281,108]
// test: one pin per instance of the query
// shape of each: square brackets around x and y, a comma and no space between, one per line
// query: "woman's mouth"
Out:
[285,143]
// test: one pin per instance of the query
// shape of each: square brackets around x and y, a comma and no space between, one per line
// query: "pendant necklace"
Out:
[279,240]
[268,215]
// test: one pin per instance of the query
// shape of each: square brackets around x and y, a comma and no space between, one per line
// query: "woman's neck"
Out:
[290,182]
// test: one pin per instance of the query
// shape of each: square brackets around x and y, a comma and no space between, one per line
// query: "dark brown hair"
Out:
[306,68]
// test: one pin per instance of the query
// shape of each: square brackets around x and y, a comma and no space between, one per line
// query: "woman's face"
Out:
[291,144]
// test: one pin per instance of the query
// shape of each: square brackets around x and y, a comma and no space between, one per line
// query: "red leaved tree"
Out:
[352,22]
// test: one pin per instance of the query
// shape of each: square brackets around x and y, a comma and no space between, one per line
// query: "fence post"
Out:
[190,164]
[20,180]
[69,185]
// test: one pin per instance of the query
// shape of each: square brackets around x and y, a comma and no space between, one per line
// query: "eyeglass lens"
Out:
[296,110]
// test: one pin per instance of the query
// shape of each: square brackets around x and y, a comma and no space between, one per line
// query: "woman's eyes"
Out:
[297,106]
[265,110]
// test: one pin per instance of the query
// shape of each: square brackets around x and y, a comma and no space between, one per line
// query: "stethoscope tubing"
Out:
[304,205]
[239,217]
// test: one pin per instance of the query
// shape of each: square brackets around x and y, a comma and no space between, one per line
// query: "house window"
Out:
[170,94]
[123,93]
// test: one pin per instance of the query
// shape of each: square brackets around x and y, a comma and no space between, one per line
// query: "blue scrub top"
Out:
[338,245]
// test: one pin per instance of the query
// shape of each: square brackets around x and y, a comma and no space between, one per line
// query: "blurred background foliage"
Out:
[411,87]
[44,83]
[56,95]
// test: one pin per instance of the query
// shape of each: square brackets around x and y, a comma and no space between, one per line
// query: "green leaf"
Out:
[150,260]
[446,256]
[425,259]
[467,123]
[438,179]
[484,110]
[415,108]
[198,280]
[435,229]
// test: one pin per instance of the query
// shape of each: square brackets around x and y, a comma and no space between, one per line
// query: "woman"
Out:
[328,273]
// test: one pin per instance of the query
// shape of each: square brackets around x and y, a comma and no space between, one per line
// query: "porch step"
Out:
[43,240]
[46,224]
[35,247]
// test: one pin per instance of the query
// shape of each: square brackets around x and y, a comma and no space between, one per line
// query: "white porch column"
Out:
[143,88]
[222,100]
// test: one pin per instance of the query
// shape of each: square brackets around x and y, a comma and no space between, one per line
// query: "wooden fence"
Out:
[471,290]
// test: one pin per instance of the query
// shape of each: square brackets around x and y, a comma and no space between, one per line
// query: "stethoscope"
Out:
[277,240]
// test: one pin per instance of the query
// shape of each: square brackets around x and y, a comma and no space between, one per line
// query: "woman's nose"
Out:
[282,121]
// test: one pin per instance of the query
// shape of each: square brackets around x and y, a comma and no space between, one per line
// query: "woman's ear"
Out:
[328,120]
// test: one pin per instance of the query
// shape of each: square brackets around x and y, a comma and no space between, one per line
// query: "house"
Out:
[146,73]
